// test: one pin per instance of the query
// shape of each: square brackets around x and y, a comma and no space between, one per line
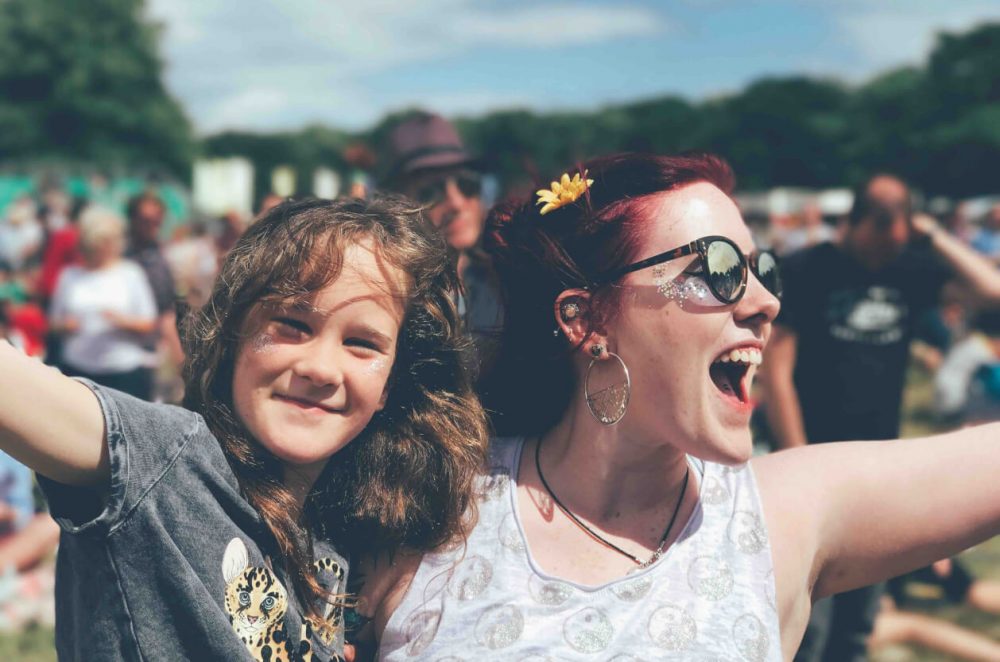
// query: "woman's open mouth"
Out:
[733,372]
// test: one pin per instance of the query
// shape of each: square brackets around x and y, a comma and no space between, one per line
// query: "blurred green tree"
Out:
[786,131]
[82,81]
[960,126]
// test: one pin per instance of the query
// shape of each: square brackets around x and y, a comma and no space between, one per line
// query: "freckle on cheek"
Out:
[262,343]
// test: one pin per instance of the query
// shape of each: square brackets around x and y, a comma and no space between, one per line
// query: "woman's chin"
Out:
[729,447]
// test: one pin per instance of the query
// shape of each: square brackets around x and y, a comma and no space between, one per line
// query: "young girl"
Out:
[328,413]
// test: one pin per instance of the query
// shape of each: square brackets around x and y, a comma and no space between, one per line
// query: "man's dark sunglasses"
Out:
[469,183]
[724,264]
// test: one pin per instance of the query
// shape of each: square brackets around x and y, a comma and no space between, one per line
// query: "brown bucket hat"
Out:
[423,142]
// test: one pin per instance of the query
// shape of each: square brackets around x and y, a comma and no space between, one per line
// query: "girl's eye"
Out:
[290,326]
[364,344]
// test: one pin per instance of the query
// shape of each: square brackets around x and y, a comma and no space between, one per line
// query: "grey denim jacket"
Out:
[173,563]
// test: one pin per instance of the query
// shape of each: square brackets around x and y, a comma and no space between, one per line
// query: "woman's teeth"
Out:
[749,355]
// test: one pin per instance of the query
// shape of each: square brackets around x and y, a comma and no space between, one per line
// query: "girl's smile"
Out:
[306,405]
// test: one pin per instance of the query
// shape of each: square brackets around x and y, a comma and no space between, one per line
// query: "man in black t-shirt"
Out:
[853,328]
[837,359]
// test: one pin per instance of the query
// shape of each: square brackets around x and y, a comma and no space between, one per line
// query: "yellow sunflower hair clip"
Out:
[563,192]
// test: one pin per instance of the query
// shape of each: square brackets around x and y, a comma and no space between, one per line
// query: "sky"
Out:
[267,65]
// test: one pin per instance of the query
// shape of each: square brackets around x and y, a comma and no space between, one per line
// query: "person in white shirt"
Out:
[103,309]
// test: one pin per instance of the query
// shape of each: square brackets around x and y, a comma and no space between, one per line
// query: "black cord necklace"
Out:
[607,543]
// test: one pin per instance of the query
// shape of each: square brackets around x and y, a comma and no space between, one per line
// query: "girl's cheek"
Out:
[377,366]
[262,343]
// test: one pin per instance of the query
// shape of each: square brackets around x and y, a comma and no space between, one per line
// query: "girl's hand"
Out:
[51,423]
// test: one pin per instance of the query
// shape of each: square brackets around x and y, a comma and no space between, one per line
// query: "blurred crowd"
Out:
[97,292]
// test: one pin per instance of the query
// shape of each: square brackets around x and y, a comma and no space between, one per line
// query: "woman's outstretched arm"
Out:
[50,422]
[857,513]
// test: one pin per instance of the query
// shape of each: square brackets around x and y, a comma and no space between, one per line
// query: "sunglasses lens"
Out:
[470,185]
[430,193]
[725,270]
[768,273]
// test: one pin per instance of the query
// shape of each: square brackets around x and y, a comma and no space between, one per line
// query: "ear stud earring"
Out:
[569,311]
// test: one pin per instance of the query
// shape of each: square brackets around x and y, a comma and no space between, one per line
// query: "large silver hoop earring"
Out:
[609,404]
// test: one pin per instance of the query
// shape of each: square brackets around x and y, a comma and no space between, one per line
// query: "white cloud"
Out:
[892,34]
[263,63]
[554,25]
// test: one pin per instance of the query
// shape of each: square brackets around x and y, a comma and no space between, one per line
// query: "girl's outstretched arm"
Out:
[850,514]
[50,422]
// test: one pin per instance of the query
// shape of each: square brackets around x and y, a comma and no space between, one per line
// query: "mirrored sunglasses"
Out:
[724,267]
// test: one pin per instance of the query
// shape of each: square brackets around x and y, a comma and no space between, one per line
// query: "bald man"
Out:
[835,367]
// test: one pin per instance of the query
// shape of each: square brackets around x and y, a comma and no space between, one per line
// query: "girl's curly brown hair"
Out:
[407,479]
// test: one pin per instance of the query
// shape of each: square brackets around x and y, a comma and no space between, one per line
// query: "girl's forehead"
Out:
[692,212]
[365,279]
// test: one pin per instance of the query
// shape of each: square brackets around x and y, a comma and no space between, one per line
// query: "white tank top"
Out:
[710,597]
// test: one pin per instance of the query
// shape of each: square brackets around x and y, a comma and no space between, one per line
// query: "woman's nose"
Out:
[758,302]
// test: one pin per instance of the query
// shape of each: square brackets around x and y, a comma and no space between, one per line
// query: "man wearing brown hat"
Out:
[426,160]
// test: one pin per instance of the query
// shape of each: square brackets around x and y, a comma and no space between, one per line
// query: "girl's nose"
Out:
[320,365]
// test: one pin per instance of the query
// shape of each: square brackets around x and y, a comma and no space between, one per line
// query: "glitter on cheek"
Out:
[687,290]
[263,343]
[696,290]
[377,366]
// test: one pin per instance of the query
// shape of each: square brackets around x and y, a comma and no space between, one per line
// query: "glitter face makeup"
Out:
[262,343]
[377,366]
[684,289]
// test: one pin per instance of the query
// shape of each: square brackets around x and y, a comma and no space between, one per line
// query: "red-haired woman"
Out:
[624,520]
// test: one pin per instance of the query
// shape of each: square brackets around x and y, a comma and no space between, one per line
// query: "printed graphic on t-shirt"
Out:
[256,603]
[876,315]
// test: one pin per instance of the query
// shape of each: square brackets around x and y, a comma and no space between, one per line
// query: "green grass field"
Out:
[36,644]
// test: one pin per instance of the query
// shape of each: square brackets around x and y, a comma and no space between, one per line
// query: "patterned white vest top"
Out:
[709,598]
